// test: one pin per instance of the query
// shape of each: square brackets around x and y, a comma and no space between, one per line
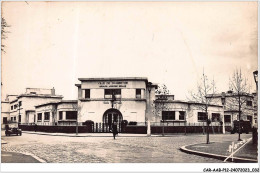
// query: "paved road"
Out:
[62,149]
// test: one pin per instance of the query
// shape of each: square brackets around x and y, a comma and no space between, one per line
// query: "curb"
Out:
[29,154]
[3,142]
[216,156]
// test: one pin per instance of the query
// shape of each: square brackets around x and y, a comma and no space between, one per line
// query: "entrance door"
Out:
[111,116]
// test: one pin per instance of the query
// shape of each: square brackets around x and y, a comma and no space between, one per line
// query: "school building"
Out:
[129,99]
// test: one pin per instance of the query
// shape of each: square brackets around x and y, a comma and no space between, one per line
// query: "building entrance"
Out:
[111,116]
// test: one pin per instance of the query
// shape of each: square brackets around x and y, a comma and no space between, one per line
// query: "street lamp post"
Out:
[149,87]
[255,73]
[113,98]
[223,101]
[19,113]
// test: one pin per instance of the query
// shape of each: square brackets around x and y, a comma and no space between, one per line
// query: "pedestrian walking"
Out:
[35,127]
[114,129]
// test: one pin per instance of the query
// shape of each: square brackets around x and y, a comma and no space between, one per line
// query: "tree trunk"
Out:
[207,126]
[239,117]
[207,133]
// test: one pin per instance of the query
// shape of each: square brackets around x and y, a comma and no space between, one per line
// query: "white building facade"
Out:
[133,99]
[115,99]
[229,101]
[22,107]
[63,112]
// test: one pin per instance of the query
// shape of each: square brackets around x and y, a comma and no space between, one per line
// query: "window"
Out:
[71,115]
[138,93]
[4,120]
[110,92]
[215,117]
[60,115]
[46,116]
[39,115]
[87,93]
[168,115]
[20,103]
[15,106]
[12,107]
[249,118]
[12,118]
[181,115]
[249,103]
[227,118]
[202,116]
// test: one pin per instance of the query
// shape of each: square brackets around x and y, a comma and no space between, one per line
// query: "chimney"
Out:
[53,91]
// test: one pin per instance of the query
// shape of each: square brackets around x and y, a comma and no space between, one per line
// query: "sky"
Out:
[52,44]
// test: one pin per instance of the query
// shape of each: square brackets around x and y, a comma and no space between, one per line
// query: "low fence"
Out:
[56,129]
[139,128]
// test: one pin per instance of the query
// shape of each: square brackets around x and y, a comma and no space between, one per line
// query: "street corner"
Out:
[14,157]
[239,151]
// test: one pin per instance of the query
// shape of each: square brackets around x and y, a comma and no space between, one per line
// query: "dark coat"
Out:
[114,129]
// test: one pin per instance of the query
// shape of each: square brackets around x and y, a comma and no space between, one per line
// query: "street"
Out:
[63,149]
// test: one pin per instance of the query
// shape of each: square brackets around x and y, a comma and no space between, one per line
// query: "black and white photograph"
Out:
[169,85]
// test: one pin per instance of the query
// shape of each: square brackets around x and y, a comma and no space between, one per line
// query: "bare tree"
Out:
[160,103]
[4,25]
[240,88]
[204,95]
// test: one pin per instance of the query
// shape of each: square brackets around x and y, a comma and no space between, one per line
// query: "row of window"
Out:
[14,118]
[110,93]
[16,105]
[227,118]
[70,115]
[46,116]
[170,115]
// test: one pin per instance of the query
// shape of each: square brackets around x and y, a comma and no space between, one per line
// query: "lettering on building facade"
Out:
[109,84]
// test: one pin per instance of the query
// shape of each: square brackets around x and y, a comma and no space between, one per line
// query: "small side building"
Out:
[168,110]
[22,108]
[229,101]
[61,113]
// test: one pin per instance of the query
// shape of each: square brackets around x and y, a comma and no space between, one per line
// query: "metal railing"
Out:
[178,123]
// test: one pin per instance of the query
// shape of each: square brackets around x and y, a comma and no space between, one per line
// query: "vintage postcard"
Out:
[129,82]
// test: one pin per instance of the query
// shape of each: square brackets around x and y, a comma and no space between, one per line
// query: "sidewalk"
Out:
[219,150]
[109,134]
[87,134]
[12,157]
